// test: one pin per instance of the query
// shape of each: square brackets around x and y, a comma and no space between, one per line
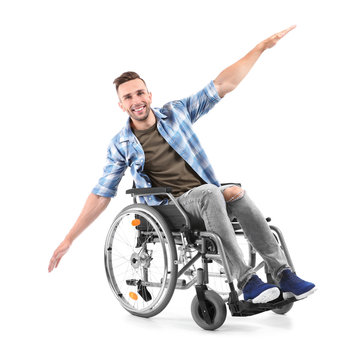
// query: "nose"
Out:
[136,100]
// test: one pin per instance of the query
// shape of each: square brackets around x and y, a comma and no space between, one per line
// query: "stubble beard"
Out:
[142,117]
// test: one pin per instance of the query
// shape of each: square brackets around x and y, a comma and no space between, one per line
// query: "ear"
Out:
[121,106]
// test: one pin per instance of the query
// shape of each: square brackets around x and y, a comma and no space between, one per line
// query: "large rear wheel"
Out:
[140,260]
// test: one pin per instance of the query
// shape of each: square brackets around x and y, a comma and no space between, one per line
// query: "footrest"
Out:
[247,308]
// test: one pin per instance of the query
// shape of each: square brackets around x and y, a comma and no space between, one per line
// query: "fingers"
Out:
[55,259]
[53,263]
[282,33]
[273,40]
[57,255]
[56,265]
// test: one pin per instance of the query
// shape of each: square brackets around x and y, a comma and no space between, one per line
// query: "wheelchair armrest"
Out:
[159,190]
[149,191]
[232,183]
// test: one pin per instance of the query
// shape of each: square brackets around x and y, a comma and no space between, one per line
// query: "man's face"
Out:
[135,99]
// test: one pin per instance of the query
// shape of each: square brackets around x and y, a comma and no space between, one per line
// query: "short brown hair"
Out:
[126,76]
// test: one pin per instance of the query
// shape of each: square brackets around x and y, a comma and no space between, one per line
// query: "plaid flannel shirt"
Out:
[174,123]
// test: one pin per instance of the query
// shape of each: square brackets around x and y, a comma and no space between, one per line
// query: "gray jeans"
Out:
[206,205]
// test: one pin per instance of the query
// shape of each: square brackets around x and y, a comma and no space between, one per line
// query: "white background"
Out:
[286,133]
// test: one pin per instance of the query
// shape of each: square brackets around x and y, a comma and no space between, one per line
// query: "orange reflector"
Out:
[136,222]
[133,296]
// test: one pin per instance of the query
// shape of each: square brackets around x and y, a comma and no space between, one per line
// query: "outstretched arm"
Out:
[93,207]
[229,78]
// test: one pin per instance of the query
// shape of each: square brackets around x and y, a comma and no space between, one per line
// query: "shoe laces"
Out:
[254,281]
[289,275]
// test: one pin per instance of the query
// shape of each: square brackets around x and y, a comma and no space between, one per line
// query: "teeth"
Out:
[139,109]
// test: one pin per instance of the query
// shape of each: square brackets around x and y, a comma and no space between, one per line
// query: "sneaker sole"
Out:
[288,295]
[266,296]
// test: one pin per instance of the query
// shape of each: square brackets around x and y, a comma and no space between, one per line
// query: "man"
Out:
[161,149]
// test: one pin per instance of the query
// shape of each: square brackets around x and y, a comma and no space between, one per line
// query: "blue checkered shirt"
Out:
[174,123]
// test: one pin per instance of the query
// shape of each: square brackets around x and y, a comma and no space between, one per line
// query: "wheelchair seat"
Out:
[176,220]
[172,215]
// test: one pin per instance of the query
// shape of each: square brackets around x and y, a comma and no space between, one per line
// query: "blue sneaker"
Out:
[257,291]
[292,286]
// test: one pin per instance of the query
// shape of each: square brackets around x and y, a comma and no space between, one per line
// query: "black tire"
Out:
[142,273]
[216,309]
[283,310]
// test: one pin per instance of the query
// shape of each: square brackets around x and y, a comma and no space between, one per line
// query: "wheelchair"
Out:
[152,250]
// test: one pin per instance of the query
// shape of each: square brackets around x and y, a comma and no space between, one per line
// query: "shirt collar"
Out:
[127,131]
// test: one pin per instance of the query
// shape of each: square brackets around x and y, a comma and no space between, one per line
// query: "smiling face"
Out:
[135,99]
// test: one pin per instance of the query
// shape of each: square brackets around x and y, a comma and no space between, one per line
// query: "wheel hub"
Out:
[135,261]
[142,259]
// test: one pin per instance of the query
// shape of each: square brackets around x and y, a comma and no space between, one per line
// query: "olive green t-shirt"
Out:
[164,166]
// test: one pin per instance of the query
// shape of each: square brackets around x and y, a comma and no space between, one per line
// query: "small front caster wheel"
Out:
[283,310]
[216,309]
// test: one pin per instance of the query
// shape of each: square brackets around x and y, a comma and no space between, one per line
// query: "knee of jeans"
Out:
[233,193]
[211,193]
[209,189]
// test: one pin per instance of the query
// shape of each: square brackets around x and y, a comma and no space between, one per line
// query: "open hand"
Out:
[272,40]
[58,254]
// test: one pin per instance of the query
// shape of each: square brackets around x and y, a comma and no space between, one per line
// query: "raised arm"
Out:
[230,78]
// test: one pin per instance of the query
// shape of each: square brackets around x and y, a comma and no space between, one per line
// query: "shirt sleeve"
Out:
[113,172]
[202,102]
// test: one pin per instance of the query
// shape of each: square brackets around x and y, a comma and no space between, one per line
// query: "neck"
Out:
[144,124]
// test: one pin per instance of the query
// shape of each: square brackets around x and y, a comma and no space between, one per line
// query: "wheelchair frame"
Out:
[163,228]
